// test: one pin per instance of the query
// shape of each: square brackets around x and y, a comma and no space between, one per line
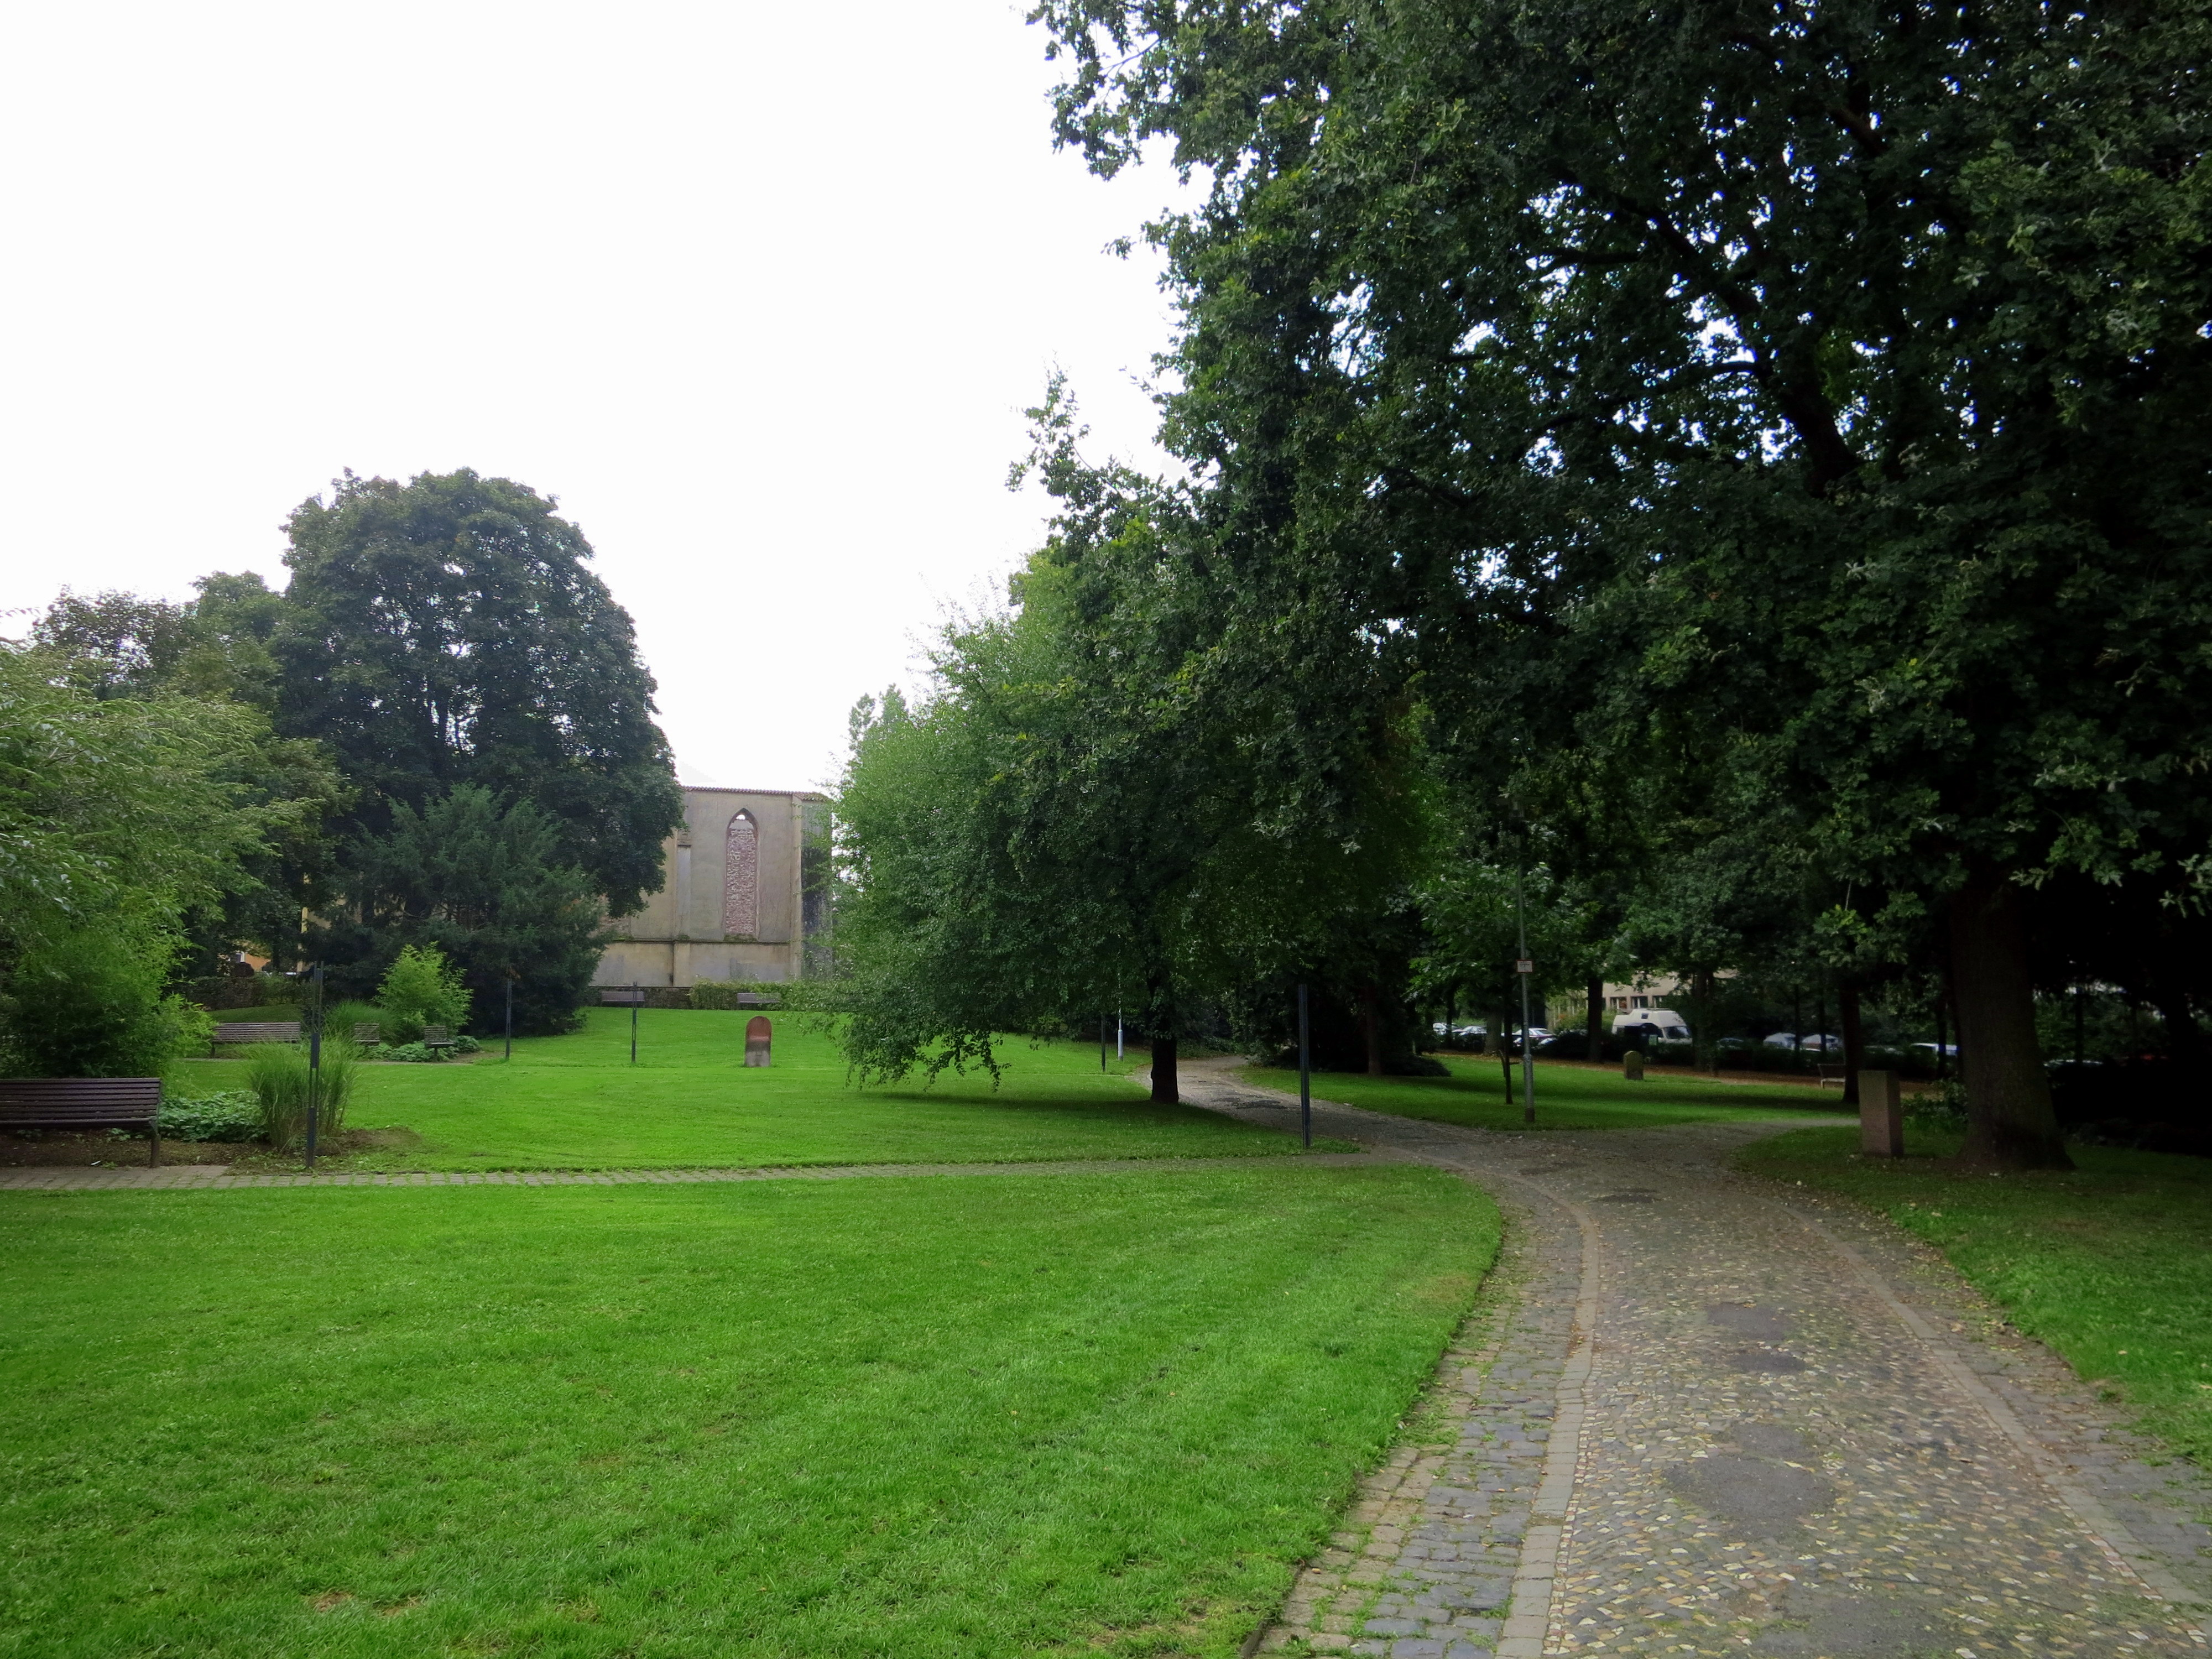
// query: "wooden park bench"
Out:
[437,1036]
[258,1030]
[83,1102]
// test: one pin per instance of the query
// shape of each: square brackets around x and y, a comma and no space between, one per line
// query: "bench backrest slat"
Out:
[65,1100]
[258,1030]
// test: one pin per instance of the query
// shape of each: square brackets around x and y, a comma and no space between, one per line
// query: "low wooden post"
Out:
[1881,1115]
[757,1032]
[1632,1066]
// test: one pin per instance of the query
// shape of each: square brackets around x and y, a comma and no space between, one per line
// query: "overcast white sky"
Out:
[758,292]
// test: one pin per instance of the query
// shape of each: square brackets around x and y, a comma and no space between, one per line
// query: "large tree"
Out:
[1085,815]
[487,884]
[212,652]
[1815,400]
[448,631]
[119,816]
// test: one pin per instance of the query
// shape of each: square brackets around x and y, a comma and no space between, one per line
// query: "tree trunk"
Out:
[1596,1013]
[2184,1044]
[1847,1010]
[1706,1049]
[1165,1092]
[1160,1015]
[2010,1123]
[1370,1030]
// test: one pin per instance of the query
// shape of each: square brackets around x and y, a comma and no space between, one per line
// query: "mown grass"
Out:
[1568,1097]
[903,1416]
[577,1103]
[2109,1265]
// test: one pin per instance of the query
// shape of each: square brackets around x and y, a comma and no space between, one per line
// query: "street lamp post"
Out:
[1305,1071]
[1525,968]
[314,1060]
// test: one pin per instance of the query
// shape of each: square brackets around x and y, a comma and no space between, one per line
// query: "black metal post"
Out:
[636,996]
[314,1061]
[1305,1071]
[2080,989]
[1524,968]
[1101,1039]
[510,1015]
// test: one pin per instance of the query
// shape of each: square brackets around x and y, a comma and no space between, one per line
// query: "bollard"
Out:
[1632,1066]
[758,1031]
[1882,1117]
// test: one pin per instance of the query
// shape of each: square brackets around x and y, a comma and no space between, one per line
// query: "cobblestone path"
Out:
[217,1177]
[1701,1414]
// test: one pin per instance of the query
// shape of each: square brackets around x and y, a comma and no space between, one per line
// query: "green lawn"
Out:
[1567,1097]
[2111,1265]
[959,1416]
[577,1103]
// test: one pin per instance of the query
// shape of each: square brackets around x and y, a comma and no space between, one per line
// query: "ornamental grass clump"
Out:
[277,1074]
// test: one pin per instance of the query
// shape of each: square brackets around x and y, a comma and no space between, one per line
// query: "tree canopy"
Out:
[447,632]
[1809,409]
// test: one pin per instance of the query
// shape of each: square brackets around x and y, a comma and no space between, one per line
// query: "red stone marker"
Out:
[757,1032]
[1881,1115]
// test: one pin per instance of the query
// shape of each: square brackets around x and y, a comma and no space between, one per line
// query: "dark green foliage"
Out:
[483,884]
[1798,427]
[448,632]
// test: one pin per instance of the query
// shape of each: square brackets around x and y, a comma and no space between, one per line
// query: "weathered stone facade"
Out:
[741,895]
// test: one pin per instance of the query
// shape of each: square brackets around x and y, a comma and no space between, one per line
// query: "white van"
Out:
[1663,1024]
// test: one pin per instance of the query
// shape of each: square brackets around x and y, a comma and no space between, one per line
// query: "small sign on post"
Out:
[757,1032]
[1524,966]
[1632,1066]
[1881,1115]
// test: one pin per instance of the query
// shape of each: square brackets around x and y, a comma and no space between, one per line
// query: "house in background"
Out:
[744,891]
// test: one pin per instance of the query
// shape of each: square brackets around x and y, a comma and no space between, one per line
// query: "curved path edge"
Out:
[1956,1488]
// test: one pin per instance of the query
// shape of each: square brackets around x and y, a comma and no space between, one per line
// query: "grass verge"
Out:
[1567,1097]
[2110,1265]
[928,1416]
[577,1103]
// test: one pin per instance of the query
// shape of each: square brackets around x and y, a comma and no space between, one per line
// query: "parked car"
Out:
[1928,1050]
[1813,1040]
[1461,1031]
[1651,1025]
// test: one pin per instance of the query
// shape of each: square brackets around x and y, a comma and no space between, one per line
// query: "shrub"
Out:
[723,993]
[411,1054]
[420,989]
[88,1003]
[277,1074]
[228,1115]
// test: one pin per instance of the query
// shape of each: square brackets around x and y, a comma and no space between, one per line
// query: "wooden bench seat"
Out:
[258,1030]
[83,1102]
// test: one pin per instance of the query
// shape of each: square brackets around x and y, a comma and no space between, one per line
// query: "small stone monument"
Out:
[1881,1116]
[757,1032]
[1632,1066]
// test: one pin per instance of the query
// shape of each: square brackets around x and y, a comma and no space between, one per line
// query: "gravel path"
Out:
[1703,1414]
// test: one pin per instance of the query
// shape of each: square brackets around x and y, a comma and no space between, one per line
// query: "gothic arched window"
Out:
[741,875]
